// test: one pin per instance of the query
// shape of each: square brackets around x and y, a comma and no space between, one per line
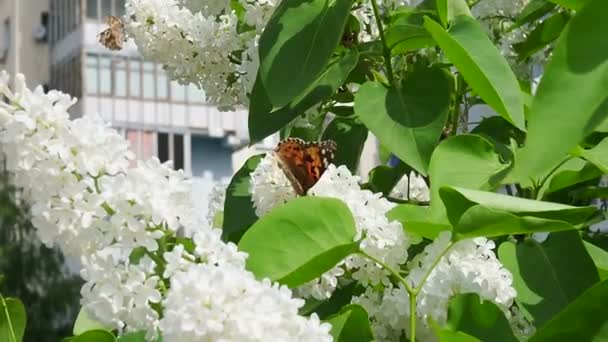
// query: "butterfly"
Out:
[114,36]
[304,162]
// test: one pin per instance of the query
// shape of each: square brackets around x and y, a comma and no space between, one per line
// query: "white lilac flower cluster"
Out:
[468,266]
[199,42]
[383,239]
[411,188]
[124,224]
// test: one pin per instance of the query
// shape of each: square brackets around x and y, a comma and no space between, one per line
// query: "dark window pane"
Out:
[210,154]
[178,151]
[163,147]
[106,9]
[119,7]
[92,9]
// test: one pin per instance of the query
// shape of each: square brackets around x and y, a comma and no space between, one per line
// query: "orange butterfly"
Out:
[114,36]
[304,162]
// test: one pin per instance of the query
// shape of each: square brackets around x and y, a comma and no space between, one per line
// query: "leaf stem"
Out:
[8,318]
[386,267]
[412,317]
[385,49]
[428,272]
[548,175]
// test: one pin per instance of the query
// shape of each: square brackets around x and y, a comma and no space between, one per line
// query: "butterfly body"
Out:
[114,36]
[304,162]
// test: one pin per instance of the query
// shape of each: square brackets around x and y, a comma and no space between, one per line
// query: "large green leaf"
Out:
[404,36]
[459,200]
[600,259]
[585,319]
[448,335]
[351,324]
[574,171]
[482,319]
[572,4]
[239,213]
[466,161]
[297,43]
[12,319]
[264,120]
[417,220]
[548,275]
[450,9]
[350,136]
[534,10]
[97,335]
[482,66]
[298,241]
[84,322]
[407,120]
[598,155]
[571,99]
[543,34]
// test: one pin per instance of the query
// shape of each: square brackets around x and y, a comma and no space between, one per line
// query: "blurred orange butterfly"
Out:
[114,36]
[304,162]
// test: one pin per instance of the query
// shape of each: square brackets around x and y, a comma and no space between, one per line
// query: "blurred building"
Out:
[54,43]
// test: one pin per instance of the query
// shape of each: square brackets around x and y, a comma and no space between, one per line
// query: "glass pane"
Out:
[91,9]
[209,154]
[148,86]
[92,75]
[178,151]
[134,78]
[106,8]
[120,78]
[105,75]
[163,147]
[119,7]
[161,83]
[178,92]
[195,95]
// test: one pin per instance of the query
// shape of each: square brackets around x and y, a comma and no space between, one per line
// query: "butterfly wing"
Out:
[317,157]
[290,153]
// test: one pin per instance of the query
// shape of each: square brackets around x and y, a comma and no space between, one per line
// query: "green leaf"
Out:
[402,37]
[341,297]
[239,213]
[535,9]
[482,66]
[450,9]
[447,335]
[549,275]
[84,322]
[409,120]
[572,172]
[297,43]
[97,335]
[571,4]
[459,200]
[383,178]
[298,241]
[350,136]
[312,130]
[351,324]
[466,161]
[264,121]
[482,319]
[582,320]
[417,220]
[543,34]
[12,319]
[598,155]
[600,259]
[571,98]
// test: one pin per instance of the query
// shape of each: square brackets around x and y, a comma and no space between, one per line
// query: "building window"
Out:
[195,95]
[120,77]
[134,78]
[92,9]
[92,75]
[5,43]
[105,75]
[148,84]
[106,9]
[162,81]
[210,154]
[178,92]
[119,7]
[171,147]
